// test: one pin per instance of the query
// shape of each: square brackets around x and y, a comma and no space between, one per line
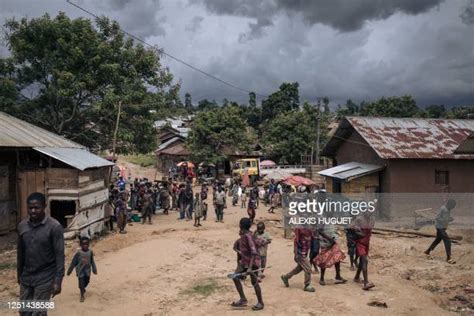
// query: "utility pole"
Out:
[318,118]
[117,122]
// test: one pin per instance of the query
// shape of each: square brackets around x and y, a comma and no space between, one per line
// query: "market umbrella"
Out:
[278,175]
[298,180]
[182,163]
[267,163]
[205,164]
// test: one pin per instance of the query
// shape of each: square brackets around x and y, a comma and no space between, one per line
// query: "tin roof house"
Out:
[400,155]
[74,181]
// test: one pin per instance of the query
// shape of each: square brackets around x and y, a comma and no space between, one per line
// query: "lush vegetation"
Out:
[68,76]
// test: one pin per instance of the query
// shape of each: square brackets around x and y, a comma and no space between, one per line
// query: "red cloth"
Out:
[298,180]
[328,257]
[362,244]
[248,249]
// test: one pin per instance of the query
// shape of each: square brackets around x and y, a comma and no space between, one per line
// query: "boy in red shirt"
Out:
[249,263]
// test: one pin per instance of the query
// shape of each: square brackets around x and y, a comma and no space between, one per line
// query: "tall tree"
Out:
[284,100]
[206,105]
[404,106]
[68,76]
[252,99]
[292,134]
[188,103]
[214,132]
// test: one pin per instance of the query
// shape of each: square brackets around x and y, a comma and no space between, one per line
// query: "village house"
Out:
[74,181]
[399,155]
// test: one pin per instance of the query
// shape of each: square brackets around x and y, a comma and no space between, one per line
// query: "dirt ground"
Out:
[173,268]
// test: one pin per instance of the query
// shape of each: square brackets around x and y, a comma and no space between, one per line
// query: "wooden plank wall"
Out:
[29,182]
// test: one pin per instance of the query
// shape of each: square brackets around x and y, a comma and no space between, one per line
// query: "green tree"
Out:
[252,99]
[404,106]
[214,132]
[350,108]
[69,75]
[289,135]
[461,112]
[188,103]
[286,99]
[206,105]
[435,111]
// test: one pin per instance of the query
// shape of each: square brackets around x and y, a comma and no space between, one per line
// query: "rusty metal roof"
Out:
[17,133]
[405,138]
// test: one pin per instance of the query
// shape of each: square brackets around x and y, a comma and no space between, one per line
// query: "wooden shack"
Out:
[74,181]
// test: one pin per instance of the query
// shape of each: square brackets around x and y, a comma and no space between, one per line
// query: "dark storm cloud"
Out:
[342,15]
[140,18]
[351,15]
[467,16]
[256,30]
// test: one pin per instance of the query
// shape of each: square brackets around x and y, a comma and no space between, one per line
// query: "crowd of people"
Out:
[41,238]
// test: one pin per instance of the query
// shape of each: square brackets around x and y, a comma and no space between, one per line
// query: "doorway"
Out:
[60,210]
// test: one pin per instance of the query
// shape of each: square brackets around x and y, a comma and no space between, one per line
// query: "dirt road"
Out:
[173,268]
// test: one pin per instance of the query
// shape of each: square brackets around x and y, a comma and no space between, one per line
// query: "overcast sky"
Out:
[358,49]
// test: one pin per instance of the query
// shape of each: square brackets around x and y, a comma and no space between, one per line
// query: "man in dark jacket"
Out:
[40,253]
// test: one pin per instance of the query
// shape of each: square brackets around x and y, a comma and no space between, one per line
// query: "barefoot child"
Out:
[249,262]
[243,198]
[83,261]
[330,254]
[351,246]
[302,245]
[198,207]
[363,225]
[263,240]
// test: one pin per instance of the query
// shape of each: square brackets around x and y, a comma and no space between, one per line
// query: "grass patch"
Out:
[144,160]
[7,265]
[203,288]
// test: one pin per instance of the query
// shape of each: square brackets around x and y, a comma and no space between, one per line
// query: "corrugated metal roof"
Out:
[179,149]
[406,138]
[467,146]
[17,133]
[167,143]
[351,170]
[79,158]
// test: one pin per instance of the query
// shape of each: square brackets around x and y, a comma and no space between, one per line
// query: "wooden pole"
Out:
[114,141]
[318,118]
[117,122]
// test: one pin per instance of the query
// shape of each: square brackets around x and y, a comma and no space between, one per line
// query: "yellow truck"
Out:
[252,165]
[255,171]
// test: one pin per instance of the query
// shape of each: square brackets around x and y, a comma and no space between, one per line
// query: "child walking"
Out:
[351,237]
[263,240]
[251,208]
[329,253]
[248,263]
[198,208]
[83,261]
[243,198]
[302,245]
[363,225]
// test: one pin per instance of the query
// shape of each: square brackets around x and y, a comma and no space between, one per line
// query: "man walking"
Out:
[442,221]
[219,204]
[40,254]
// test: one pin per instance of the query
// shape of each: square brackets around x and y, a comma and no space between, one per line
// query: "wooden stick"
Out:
[397,231]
